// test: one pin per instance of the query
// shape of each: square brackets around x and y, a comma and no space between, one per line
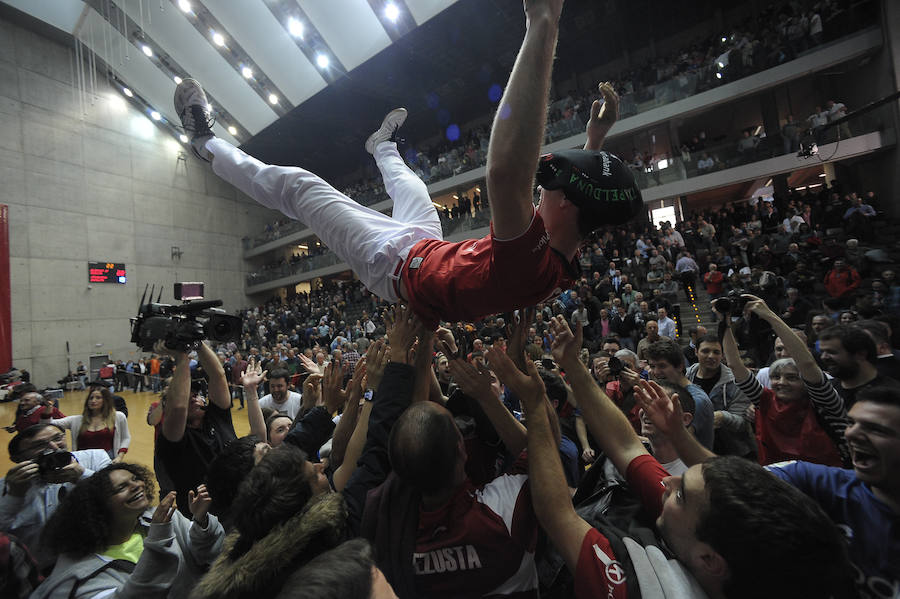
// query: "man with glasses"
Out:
[34,487]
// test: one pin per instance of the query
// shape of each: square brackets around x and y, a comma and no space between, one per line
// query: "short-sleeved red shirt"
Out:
[470,279]
[599,572]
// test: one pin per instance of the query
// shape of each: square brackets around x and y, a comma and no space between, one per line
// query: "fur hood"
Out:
[321,525]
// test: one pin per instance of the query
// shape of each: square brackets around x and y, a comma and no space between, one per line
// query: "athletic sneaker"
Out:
[393,121]
[193,110]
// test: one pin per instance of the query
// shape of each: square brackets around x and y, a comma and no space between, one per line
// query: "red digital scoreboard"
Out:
[106,272]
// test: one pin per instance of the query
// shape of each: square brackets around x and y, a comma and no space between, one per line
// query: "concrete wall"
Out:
[103,185]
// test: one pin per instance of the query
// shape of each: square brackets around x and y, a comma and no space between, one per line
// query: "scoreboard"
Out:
[106,272]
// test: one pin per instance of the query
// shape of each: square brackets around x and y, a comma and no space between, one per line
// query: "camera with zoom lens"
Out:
[733,303]
[615,366]
[181,327]
[51,460]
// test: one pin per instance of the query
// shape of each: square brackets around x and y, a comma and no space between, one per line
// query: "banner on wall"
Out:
[5,294]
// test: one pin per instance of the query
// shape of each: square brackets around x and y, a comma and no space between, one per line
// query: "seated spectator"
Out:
[32,492]
[801,417]
[110,541]
[887,364]
[796,308]
[733,435]
[100,426]
[705,163]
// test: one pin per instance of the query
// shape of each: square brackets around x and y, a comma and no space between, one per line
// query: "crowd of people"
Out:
[550,451]
[778,33]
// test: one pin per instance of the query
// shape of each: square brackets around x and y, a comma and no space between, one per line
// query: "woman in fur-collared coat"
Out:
[284,515]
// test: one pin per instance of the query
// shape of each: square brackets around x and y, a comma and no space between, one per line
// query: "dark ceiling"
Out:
[442,72]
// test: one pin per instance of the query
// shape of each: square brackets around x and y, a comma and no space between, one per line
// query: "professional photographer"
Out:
[197,425]
[30,492]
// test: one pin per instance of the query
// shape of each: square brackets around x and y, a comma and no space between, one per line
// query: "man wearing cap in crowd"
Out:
[403,256]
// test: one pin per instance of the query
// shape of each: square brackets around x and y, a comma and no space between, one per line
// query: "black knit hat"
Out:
[600,184]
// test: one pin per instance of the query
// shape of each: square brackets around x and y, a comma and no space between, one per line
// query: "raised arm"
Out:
[250,380]
[603,116]
[607,423]
[350,414]
[477,384]
[549,490]
[178,395]
[667,416]
[215,372]
[518,130]
[795,347]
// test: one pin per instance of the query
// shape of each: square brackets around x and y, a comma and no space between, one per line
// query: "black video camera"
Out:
[51,460]
[181,327]
[733,303]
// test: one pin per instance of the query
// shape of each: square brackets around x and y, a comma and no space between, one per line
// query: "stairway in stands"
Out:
[696,309]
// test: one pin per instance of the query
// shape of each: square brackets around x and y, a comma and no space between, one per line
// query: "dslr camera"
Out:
[51,460]
[182,326]
[732,303]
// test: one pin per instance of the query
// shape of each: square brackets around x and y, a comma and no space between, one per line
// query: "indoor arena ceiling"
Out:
[306,81]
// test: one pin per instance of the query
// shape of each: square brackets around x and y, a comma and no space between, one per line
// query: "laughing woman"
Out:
[99,426]
[111,543]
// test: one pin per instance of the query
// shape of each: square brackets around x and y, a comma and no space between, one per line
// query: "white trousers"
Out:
[372,243]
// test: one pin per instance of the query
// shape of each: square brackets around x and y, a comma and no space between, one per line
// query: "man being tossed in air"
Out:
[529,254]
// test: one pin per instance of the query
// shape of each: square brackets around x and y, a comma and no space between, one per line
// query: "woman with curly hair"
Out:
[111,543]
[99,426]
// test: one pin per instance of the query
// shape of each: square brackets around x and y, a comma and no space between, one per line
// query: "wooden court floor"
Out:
[141,449]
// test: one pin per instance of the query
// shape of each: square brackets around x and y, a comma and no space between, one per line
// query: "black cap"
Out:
[600,184]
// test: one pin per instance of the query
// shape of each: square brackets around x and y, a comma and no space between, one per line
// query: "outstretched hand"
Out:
[566,346]
[199,503]
[309,364]
[516,334]
[603,116]
[662,410]
[401,333]
[332,389]
[528,387]
[165,509]
[254,375]
[377,358]
[474,381]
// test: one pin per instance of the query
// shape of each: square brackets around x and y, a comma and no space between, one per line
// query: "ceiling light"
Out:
[127,92]
[147,50]
[232,129]
[322,61]
[184,5]
[247,72]
[822,175]
[183,138]
[218,39]
[724,40]
[155,115]
[718,75]
[295,27]
[273,99]
[177,80]
[392,12]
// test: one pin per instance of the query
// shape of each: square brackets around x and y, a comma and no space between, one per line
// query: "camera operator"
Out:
[196,426]
[31,490]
